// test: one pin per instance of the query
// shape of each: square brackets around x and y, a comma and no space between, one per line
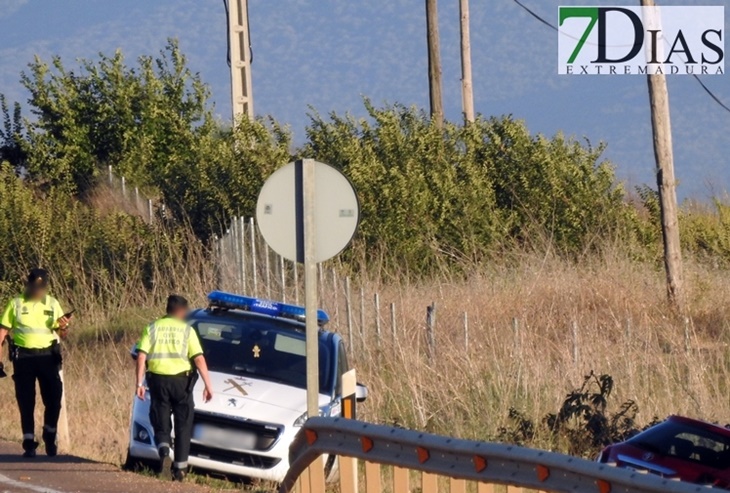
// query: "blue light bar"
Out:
[263,307]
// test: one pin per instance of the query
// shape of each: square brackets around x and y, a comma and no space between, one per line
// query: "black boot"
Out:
[49,439]
[179,474]
[29,446]
[165,463]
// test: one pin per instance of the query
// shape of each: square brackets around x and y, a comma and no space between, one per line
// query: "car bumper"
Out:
[271,465]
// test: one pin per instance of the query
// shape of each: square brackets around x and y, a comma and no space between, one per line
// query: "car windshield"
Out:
[263,348]
[687,442]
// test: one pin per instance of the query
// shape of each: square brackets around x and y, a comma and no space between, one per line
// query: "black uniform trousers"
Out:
[44,368]
[172,396]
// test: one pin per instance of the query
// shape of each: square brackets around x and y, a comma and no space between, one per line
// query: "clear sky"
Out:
[328,54]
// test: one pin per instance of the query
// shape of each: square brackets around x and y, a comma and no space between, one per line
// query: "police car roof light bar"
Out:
[232,301]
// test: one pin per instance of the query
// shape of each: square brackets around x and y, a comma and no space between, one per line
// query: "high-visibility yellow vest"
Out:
[32,324]
[170,344]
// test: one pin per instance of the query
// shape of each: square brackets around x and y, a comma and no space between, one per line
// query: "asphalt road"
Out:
[67,474]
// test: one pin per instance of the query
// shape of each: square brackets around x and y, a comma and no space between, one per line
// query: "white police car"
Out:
[255,350]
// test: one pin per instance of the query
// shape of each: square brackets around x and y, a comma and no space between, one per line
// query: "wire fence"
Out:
[132,200]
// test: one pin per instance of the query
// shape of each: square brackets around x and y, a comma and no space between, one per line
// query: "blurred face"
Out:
[36,292]
[179,313]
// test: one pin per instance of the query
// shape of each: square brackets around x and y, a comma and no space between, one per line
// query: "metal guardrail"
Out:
[469,460]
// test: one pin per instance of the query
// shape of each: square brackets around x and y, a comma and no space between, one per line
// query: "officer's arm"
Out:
[202,367]
[141,359]
[3,335]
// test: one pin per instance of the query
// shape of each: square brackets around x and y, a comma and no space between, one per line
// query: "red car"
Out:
[684,448]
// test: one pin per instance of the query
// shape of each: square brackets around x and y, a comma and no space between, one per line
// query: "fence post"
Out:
[335,290]
[466,331]
[430,329]
[242,261]
[377,318]
[124,187]
[320,276]
[517,346]
[362,312]
[576,352]
[687,337]
[282,273]
[111,175]
[236,236]
[296,283]
[267,266]
[136,197]
[392,323]
[149,208]
[252,227]
[348,301]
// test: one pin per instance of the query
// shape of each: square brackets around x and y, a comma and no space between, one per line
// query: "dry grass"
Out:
[617,307]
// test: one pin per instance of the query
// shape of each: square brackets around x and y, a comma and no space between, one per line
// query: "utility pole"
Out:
[467,91]
[666,183]
[240,52]
[434,63]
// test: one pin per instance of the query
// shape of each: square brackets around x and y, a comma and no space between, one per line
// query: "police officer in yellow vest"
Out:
[165,352]
[34,321]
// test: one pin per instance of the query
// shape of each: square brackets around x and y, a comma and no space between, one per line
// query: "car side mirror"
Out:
[361,393]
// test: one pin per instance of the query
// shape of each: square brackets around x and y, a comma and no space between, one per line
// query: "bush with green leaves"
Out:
[467,191]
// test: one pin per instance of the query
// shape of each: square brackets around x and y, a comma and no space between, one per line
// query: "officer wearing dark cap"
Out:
[33,323]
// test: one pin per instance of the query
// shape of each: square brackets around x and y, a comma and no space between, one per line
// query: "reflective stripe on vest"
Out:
[29,330]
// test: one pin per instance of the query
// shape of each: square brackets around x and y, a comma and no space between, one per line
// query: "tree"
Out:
[11,135]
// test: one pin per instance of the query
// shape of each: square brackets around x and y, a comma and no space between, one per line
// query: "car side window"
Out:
[342,366]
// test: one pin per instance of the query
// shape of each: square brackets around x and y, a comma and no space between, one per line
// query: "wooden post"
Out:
[666,183]
[466,332]
[348,465]
[336,301]
[348,301]
[252,227]
[434,63]
[377,318]
[392,323]
[111,175]
[267,266]
[282,277]
[236,234]
[467,91]
[576,342]
[362,312]
[242,229]
[124,187]
[296,283]
[430,329]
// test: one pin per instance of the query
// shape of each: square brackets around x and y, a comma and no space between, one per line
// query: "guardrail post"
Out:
[429,483]
[401,479]
[348,465]
[457,486]
[373,480]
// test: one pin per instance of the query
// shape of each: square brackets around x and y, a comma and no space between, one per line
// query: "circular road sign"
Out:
[281,210]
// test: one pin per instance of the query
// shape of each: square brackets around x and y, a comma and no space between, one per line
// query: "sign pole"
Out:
[305,169]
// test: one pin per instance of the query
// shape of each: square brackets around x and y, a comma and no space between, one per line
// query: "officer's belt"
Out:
[181,374]
[46,351]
